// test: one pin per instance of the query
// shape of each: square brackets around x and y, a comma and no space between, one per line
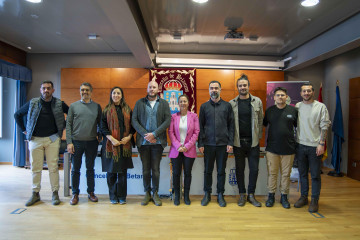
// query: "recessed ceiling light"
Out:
[34,1]
[200,1]
[29,48]
[92,36]
[309,3]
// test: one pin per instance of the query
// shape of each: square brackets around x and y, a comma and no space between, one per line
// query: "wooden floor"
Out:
[339,219]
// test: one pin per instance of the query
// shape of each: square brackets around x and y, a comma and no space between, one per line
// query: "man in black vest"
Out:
[45,124]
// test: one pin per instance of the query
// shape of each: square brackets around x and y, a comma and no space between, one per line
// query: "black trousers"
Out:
[253,155]
[178,163]
[212,153]
[117,183]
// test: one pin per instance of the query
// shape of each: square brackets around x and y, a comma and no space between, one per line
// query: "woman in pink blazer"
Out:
[183,132]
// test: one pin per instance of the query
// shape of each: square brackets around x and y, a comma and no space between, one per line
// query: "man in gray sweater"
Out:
[312,127]
[81,137]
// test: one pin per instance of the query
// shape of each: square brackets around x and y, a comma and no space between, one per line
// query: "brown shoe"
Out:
[314,205]
[303,200]
[92,197]
[75,199]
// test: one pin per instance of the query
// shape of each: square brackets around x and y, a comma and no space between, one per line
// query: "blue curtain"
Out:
[14,71]
[22,75]
[19,137]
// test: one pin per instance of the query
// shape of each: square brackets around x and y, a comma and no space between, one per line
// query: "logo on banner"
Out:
[172,93]
[232,177]
[173,83]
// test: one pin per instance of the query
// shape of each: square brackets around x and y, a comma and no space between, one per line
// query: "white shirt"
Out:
[183,128]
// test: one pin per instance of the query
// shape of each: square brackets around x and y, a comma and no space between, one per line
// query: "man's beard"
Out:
[214,95]
[243,93]
[151,96]
[308,98]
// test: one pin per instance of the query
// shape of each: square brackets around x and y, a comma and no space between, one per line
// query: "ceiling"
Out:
[271,28]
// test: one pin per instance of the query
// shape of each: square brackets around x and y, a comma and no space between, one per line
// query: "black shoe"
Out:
[284,201]
[35,197]
[207,198]
[187,197]
[314,205]
[221,200]
[242,200]
[156,199]
[271,200]
[303,200]
[147,199]
[177,197]
[251,199]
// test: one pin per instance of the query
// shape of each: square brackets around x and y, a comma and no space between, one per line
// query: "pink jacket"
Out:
[192,133]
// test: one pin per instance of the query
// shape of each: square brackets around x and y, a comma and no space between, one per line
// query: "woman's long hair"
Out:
[123,103]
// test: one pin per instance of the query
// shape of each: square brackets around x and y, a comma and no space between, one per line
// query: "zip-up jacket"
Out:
[257,116]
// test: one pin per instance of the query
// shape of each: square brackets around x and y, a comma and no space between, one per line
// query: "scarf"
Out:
[112,151]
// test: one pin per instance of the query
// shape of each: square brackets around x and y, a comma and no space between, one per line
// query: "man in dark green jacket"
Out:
[151,117]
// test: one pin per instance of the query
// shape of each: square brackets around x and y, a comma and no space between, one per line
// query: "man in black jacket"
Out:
[216,140]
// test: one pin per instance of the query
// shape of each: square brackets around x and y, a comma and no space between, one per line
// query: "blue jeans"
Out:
[150,156]
[90,150]
[212,153]
[307,158]
[253,155]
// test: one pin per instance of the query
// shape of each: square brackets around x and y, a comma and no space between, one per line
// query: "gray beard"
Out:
[214,95]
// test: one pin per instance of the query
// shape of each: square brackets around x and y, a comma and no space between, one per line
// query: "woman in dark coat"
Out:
[117,144]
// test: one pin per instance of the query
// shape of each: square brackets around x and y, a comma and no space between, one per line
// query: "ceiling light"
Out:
[92,36]
[219,63]
[34,1]
[309,3]
[200,1]
[29,48]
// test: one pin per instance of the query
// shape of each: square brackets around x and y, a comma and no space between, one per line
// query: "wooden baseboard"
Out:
[5,163]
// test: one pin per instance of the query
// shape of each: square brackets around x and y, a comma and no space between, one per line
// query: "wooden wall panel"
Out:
[205,76]
[134,82]
[134,94]
[354,83]
[354,105]
[12,54]
[258,79]
[99,95]
[354,129]
[73,77]
[129,77]
[354,125]
[354,149]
